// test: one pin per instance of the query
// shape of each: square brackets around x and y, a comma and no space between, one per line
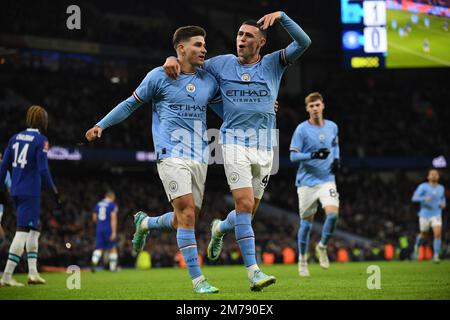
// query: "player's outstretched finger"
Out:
[272,20]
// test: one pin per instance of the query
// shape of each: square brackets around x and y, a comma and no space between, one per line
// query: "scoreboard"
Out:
[364,36]
[395,33]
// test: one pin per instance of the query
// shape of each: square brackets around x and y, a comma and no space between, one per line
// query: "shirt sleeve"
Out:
[8,180]
[301,40]
[297,146]
[145,92]
[44,170]
[296,141]
[5,164]
[335,145]
[212,66]
[216,103]
[444,201]
[418,195]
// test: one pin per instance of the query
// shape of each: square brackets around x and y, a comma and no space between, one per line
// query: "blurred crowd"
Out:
[374,121]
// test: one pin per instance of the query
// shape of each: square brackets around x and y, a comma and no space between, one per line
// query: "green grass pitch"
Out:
[399,280]
[404,52]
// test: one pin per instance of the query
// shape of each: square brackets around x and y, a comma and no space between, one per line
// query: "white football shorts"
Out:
[247,167]
[309,198]
[183,176]
[426,223]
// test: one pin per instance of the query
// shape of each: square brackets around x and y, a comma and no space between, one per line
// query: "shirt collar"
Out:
[33,129]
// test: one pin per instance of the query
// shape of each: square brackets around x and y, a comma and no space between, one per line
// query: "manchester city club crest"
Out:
[234,177]
[190,87]
[173,186]
[321,137]
[245,77]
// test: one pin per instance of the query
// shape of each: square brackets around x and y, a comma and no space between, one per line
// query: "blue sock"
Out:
[163,222]
[188,247]
[303,236]
[328,228]
[418,243]
[245,237]
[437,246]
[227,225]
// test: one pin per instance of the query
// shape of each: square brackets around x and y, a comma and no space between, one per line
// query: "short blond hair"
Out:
[313,96]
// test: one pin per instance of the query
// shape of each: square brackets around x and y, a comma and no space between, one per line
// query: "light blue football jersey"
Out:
[431,208]
[179,112]
[249,91]
[248,96]
[309,138]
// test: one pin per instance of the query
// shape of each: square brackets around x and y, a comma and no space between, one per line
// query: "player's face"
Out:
[315,109]
[249,41]
[194,50]
[433,176]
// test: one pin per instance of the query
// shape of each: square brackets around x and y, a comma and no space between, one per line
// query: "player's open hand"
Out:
[94,133]
[172,68]
[112,237]
[269,19]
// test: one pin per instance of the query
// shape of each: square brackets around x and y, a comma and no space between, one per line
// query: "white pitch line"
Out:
[431,58]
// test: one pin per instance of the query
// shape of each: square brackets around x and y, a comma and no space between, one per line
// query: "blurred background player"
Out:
[7,185]
[315,146]
[178,139]
[105,216]
[431,196]
[26,158]
[248,159]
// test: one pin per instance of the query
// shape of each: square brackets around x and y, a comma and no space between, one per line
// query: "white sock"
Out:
[15,253]
[197,280]
[144,223]
[113,257]
[96,256]
[32,251]
[302,258]
[251,270]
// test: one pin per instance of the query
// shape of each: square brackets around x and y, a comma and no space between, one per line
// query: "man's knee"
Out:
[244,204]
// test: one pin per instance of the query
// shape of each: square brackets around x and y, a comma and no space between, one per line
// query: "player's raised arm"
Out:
[301,39]
[123,110]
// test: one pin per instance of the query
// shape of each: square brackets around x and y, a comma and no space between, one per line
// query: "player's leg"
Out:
[329,199]
[436,224]
[32,206]
[17,245]
[172,172]
[245,177]
[113,258]
[307,197]
[184,208]
[421,239]
[2,232]
[32,245]
[232,155]
[100,245]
